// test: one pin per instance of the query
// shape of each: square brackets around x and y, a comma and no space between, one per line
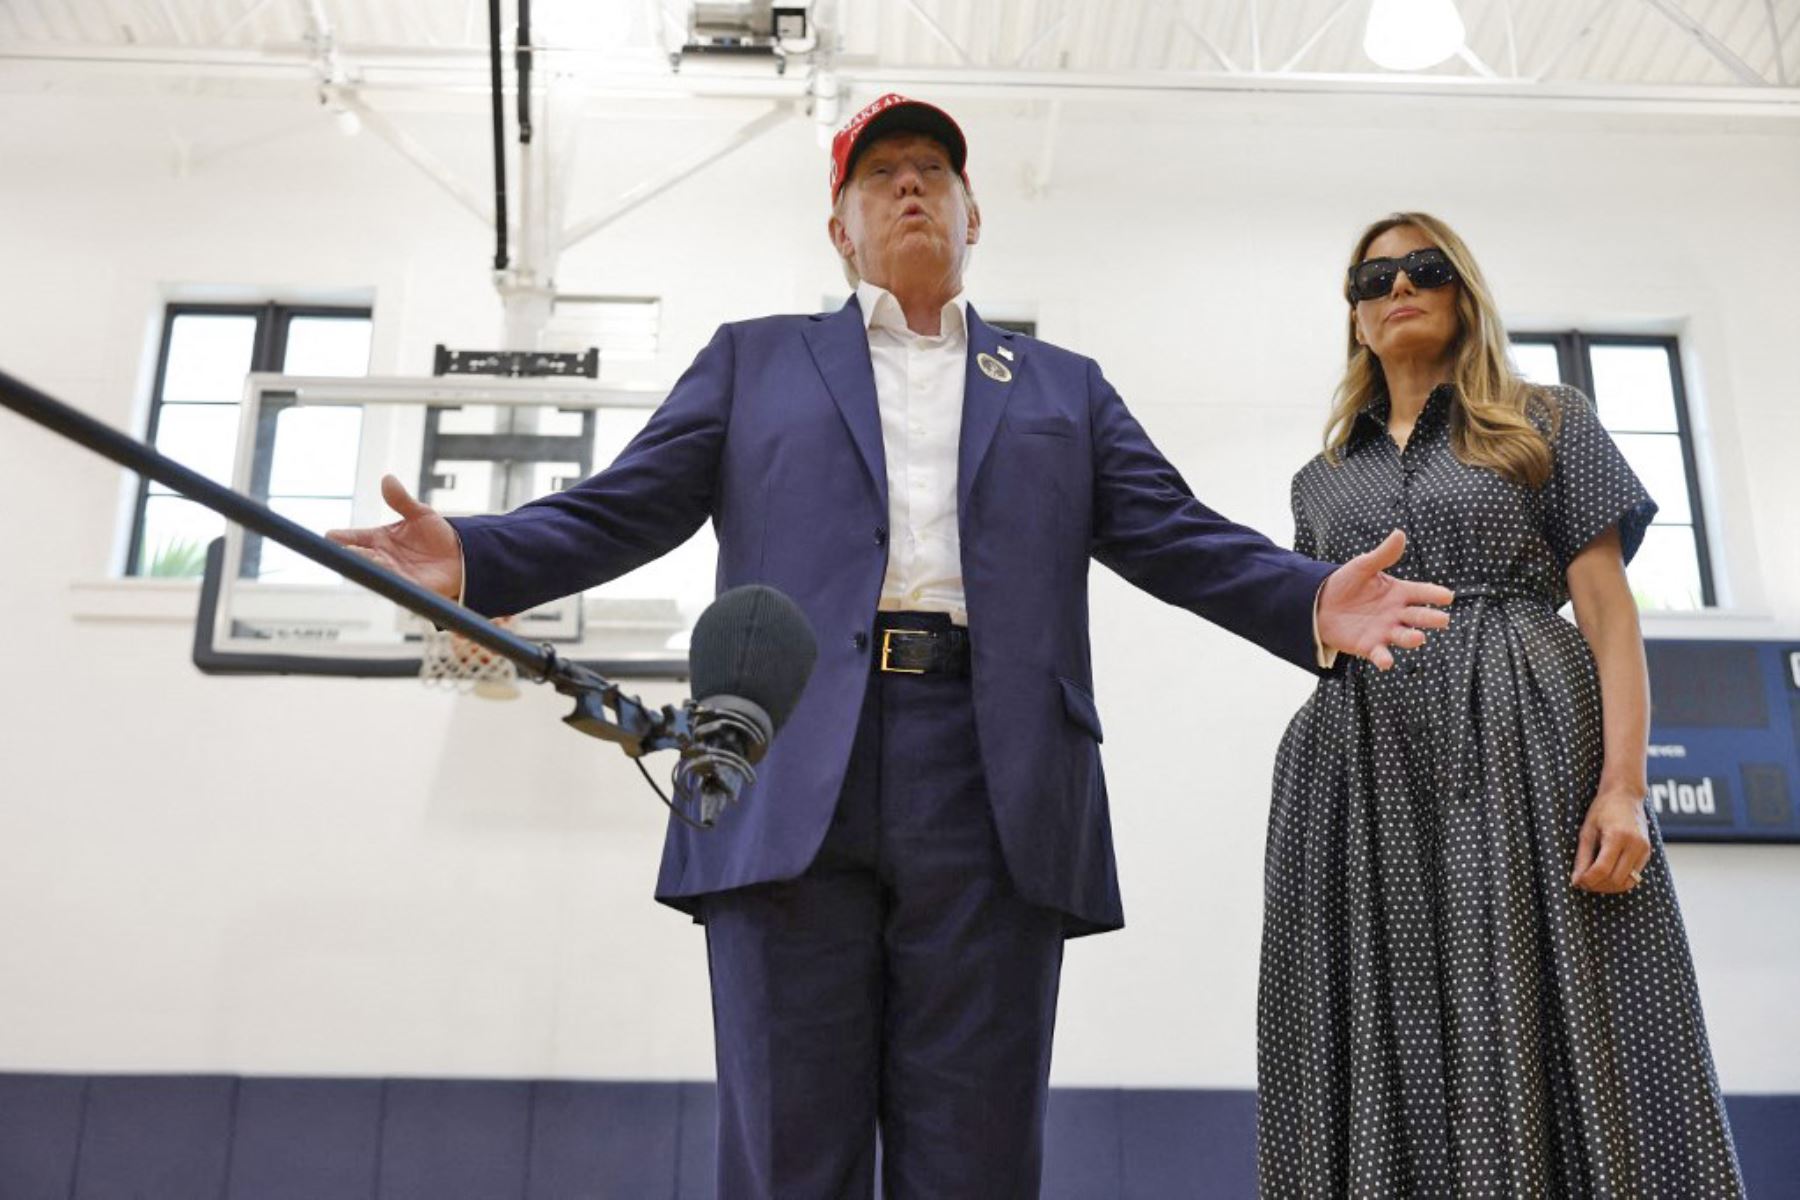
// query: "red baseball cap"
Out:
[894,113]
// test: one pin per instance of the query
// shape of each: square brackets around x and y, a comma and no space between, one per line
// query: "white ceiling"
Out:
[1605,46]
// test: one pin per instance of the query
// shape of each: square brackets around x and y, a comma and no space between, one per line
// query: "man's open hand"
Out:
[1364,611]
[420,546]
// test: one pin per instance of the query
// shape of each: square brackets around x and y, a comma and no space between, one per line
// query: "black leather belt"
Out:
[920,644]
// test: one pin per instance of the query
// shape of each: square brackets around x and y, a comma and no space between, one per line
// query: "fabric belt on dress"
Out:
[920,643]
[1496,591]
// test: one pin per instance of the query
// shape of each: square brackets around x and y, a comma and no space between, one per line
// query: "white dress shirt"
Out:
[919,389]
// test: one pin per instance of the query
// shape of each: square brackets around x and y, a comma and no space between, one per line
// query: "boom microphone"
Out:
[752,650]
[751,654]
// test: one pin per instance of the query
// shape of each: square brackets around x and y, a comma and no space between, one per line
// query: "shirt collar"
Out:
[1373,416]
[880,309]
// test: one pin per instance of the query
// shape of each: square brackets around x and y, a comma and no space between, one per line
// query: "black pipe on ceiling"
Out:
[523,58]
[500,258]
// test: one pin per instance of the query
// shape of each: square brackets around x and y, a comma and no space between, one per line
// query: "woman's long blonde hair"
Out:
[1489,425]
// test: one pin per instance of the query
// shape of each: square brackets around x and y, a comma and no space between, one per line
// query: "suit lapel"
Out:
[984,399]
[840,348]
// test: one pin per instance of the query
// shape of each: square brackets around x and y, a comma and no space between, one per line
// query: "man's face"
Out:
[905,212]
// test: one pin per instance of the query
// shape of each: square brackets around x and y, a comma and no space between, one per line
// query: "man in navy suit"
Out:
[886,908]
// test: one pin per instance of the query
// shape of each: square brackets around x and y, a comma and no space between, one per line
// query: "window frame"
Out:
[1573,362]
[268,350]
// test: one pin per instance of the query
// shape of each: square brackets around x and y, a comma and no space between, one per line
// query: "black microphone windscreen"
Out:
[753,642]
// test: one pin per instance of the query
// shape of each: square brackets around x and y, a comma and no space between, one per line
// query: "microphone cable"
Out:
[668,803]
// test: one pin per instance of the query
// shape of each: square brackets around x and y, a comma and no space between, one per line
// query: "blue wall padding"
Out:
[179,1137]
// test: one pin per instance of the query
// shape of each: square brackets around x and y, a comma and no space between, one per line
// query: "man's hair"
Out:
[837,211]
[851,275]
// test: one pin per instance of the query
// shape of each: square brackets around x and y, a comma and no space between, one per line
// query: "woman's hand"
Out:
[1615,838]
[1615,843]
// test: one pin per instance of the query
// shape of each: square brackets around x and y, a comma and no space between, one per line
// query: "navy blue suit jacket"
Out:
[774,435]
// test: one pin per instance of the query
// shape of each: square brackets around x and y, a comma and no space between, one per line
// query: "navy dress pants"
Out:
[899,985]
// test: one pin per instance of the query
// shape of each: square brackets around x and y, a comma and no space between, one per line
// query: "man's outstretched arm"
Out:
[1150,529]
[650,500]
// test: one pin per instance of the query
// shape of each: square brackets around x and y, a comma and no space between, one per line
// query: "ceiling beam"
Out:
[1324,28]
[1044,35]
[1181,19]
[1475,63]
[414,152]
[176,25]
[1583,31]
[249,14]
[460,73]
[647,191]
[1781,76]
[1712,45]
[1512,39]
[937,31]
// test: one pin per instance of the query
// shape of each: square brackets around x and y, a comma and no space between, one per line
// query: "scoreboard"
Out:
[1725,740]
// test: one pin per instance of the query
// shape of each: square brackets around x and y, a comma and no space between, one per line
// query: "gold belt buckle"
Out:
[887,648]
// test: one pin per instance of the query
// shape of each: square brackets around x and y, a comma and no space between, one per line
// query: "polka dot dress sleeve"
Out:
[1304,540]
[1592,487]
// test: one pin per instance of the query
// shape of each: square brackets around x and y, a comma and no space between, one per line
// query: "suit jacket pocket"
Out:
[1078,705]
[1049,426]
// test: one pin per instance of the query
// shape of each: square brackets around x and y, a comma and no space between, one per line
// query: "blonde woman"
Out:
[1475,980]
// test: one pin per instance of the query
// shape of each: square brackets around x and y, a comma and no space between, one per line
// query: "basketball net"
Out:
[452,662]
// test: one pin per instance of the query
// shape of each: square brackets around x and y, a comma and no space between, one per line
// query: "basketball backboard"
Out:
[315,449]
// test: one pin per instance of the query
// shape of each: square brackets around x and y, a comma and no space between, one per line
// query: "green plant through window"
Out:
[177,558]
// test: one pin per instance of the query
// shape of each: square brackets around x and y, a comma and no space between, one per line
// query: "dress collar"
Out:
[1372,418]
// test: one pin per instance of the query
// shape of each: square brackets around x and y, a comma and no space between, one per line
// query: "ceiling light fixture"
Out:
[1412,35]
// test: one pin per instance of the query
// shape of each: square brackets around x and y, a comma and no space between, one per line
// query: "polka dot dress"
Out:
[1440,1013]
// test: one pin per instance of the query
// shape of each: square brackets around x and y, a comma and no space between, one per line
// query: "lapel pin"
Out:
[993,368]
[1005,353]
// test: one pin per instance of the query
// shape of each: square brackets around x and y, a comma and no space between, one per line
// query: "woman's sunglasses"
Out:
[1373,278]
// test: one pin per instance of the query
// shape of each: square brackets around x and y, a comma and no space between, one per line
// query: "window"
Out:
[207,350]
[1636,385]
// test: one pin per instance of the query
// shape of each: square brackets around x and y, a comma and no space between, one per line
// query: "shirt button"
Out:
[859,640]
[881,535]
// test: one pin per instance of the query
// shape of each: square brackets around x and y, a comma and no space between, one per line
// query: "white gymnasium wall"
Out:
[324,877]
